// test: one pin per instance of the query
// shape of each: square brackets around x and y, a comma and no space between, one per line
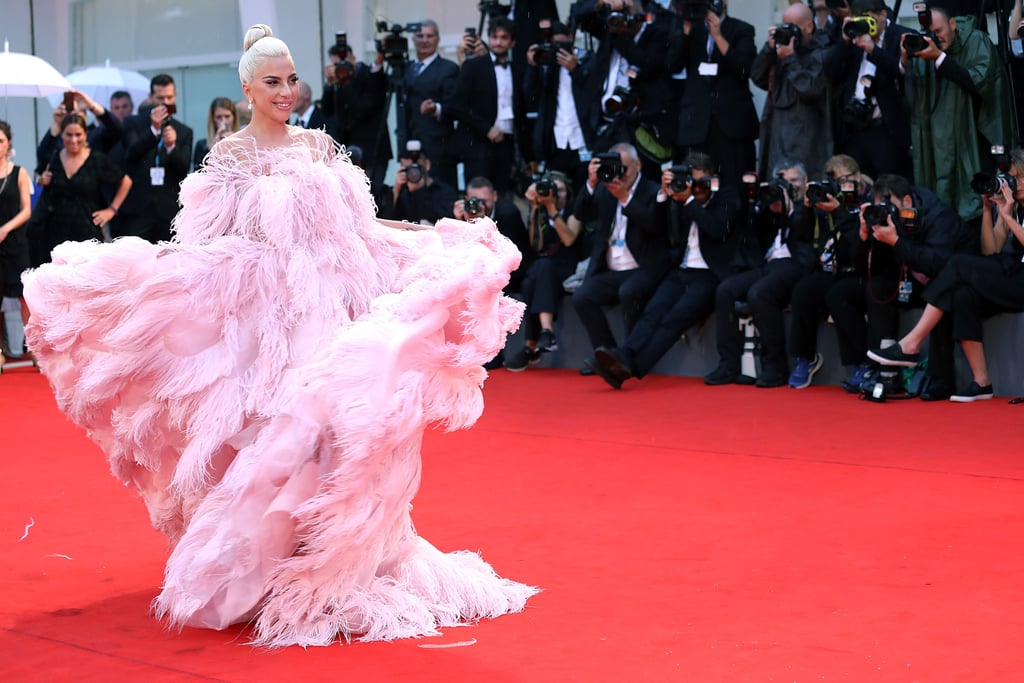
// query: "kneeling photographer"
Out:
[905,238]
[783,228]
[482,200]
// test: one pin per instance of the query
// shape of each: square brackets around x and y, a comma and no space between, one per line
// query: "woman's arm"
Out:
[20,218]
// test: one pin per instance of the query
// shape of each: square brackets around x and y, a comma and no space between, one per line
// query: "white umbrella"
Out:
[100,82]
[23,75]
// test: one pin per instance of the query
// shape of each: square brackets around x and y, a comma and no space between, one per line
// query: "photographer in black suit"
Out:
[702,220]
[905,238]
[712,58]
[417,196]
[158,156]
[359,109]
[482,199]
[873,126]
[630,252]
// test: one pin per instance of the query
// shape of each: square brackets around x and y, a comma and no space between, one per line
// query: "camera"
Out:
[990,184]
[697,10]
[547,53]
[682,177]
[611,166]
[914,42]
[621,100]
[859,113]
[622,22]
[474,207]
[343,70]
[861,26]
[394,45]
[773,191]
[787,32]
[414,171]
[877,214]
[544,185]
[819,190]
[924,14]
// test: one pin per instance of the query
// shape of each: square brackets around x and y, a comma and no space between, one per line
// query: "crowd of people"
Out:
[625,136]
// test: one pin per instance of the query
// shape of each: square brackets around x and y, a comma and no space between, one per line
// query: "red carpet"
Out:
[680,533]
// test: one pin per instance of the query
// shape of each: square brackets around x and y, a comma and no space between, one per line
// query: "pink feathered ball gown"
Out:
[264,382]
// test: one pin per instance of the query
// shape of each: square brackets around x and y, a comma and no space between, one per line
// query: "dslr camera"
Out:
[547,53]
[623,22]
[610,167]
[343,70]
[682,177]
[474,207]
[861,26]
[622,100]
[543,184]
[818,190]
[773,191]
[915,42]
[787,32]
[414,171]
[991,184]
[877,214]
[697,10]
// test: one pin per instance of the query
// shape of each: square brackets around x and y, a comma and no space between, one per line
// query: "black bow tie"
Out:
[503,65]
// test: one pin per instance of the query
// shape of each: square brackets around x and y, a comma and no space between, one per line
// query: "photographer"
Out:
[904,240]
[782,225]
[358,108]
[828,18]
[555,251]
[561,136]
[716,108]
[221,122]
[836,202]
[417,196]
[972,287]
[960,108]
[702,220]
[796,122]
[482,200]
[103,135]
[630,252]
[873,126]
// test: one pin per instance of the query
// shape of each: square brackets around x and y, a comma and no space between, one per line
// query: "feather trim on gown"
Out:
[264,382]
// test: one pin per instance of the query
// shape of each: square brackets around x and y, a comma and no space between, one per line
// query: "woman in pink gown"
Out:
[265,379]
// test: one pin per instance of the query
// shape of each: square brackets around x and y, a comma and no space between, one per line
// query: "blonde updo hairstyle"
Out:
[259,44]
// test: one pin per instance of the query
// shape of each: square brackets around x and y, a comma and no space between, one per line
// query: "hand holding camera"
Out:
[677,182]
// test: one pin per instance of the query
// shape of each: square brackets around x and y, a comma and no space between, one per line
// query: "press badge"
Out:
[906,287]
[156,176]
[707,69]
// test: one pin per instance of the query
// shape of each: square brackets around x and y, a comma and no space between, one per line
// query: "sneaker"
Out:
[861,374]
[972,393]
[546,341]
[804,371]
[894,355]
[522,360]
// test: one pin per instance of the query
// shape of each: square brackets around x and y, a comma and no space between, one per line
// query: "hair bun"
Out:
[255,32]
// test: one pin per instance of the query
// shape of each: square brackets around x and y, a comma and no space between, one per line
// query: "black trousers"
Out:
[542,290]
[972,287]
[492,160]
[766,290]
[629,288]
[850,301]
[811,298]
[684,298]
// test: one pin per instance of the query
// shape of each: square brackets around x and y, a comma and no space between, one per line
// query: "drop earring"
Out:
[250,104]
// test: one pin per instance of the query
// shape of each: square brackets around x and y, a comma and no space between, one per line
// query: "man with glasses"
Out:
[429,84]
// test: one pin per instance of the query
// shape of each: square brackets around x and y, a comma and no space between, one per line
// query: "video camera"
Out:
[414,171]
[394,45]
[611,166]
[697,10]
[787,32]
[343,70]
[861,26]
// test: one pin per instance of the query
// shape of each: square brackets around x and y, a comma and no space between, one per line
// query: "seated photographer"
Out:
[555,252]
[972,287]
[702,220]
[782,226]
[417,196]
[836,201]
[482,200]
[630,252]
[904,240]
[873,126]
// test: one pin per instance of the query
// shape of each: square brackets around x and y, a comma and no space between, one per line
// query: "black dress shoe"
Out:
[937,390]
[607,359]
[610,379]
[771,380]
[721,375]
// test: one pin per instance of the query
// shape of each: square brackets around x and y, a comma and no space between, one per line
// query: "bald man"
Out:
[796,121]
[309,115]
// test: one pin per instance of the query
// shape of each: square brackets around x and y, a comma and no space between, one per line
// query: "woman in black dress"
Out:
[72,205]
[15,209]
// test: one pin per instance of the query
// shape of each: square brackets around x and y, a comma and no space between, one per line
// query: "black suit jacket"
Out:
[725,98]
[360,115]
[436,82]
[542,81]
[718,229]
[149,210]
[474,104]
[646,233]
[318,120]
[844,61]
